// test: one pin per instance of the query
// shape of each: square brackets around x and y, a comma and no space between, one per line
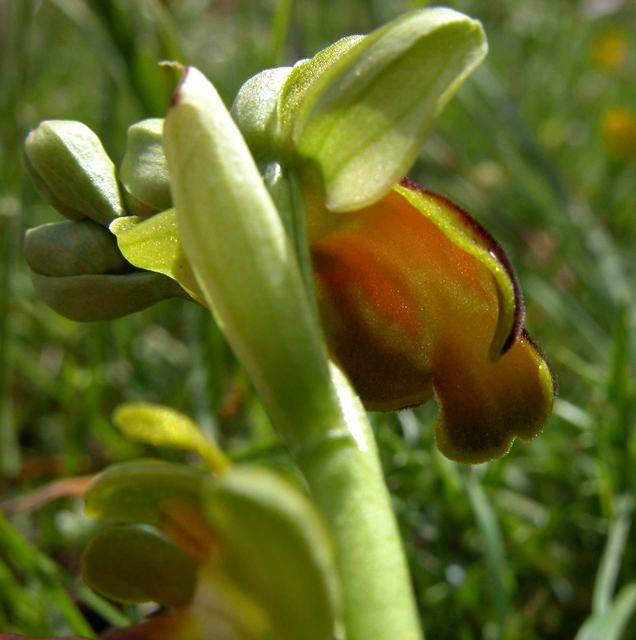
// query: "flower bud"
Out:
[94,298]
[73,172]
[73,248]
[255,110]
[144,172]
[79,271]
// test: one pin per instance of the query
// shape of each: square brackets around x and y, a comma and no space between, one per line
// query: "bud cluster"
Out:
[76,265]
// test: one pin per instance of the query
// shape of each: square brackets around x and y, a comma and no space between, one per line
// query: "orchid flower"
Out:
[415,297]
[291,219]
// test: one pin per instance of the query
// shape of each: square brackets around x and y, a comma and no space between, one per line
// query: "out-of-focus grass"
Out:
[517,549]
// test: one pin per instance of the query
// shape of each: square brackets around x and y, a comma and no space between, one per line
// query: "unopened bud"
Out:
[73,248]
[94,298]
[144,172]
[73,171]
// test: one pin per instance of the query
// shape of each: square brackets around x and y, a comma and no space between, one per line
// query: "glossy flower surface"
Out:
[417,299]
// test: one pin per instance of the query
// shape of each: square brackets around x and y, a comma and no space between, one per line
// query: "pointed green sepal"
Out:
[363,121]
[155,245]
[74,168]
[277,549]
[144,172]
[129,565]
[164,427]
[138,492]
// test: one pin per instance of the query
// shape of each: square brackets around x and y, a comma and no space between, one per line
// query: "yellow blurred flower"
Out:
[619,132]
[609,50]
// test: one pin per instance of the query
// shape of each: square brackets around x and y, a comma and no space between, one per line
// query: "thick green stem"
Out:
[238,243]
[346,479]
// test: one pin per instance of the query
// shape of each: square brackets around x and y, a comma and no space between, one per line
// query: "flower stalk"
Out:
[322,423]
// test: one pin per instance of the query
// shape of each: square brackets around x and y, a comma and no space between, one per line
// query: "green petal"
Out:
[130,565]
[164,427]
[138,492]
[71,161]
[365,118]
[155,245]
[277,549]
[144,172]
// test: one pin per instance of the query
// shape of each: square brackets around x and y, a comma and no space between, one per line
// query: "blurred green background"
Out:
[539,145]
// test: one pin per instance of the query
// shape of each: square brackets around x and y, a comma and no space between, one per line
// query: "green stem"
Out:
[343,469]
[345,476]
[250,277]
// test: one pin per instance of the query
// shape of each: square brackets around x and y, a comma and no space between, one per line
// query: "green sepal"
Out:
[255,111]
[138,492]
[363,121]
[164,427]
[73,248]
[130,565]
[155,245]
[75,169]
[303,76]
[277,549]
[144,172]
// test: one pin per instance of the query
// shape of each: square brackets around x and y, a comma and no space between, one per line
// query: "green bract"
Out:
[139,492]
[130,565]
[277,550]
[242,258]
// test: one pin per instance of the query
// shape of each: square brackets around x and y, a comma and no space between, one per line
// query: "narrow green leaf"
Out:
[277,549]
[164,427]
[488,524]
[136,492]
[130,565]
[612,556]
[155,245]
[611,623]
[365,118]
